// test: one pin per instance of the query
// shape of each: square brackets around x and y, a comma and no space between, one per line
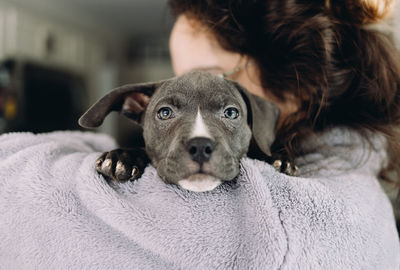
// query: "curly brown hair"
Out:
[342,72]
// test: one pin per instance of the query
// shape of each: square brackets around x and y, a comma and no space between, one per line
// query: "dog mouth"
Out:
[200,182]
[197,177]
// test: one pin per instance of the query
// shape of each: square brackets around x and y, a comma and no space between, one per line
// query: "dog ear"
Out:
[130,100]
[262,116]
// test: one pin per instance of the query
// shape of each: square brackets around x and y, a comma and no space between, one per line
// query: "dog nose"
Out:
[200,149]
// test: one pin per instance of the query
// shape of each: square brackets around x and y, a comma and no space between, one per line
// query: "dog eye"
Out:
[231,113]
[165,113]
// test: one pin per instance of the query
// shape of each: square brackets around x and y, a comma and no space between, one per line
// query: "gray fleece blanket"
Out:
[56,212]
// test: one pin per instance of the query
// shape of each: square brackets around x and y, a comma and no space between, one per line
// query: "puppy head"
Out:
[196,126]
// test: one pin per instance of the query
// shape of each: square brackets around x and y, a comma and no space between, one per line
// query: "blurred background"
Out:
[57,57]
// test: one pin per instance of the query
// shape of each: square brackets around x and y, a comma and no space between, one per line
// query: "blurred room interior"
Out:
[59,56]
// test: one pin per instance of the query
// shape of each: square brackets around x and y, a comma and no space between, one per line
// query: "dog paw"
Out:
[122,165]
[285,167]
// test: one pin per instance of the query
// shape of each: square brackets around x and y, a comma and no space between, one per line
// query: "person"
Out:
[322,62]
[336,82]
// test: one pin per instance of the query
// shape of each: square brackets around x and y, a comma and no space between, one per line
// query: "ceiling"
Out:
[127,17]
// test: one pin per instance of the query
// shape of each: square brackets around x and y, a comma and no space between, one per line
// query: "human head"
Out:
[340,71]
[191,40]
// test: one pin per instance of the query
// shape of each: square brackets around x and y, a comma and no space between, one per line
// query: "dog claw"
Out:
[122,165]
[285,167]
[277,164]
[120,168]
[121,173]
[135,171]
[290,169]
[106,164]
[99,162]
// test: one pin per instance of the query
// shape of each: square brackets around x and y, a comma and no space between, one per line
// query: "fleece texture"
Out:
[56,212]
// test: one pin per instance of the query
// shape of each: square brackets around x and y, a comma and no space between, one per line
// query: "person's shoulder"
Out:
[330,208]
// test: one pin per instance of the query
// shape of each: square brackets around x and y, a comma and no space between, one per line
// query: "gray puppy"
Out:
[196,128]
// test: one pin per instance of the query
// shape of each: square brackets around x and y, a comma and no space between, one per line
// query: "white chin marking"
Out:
[199,128]
[200,183]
